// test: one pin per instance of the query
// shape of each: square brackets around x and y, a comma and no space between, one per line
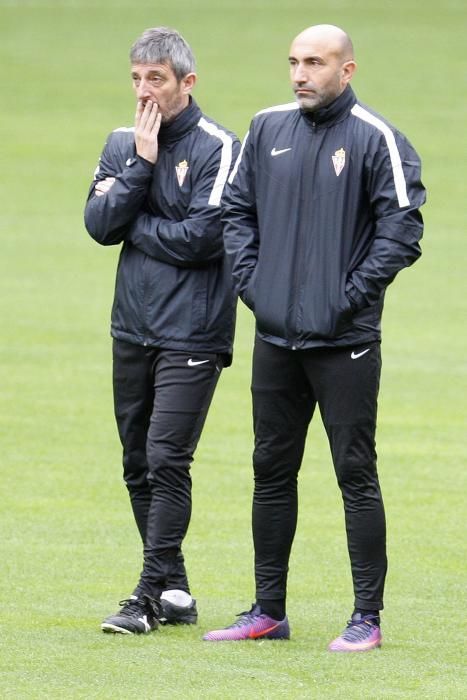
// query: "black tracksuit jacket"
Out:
[320,213]
[173,287]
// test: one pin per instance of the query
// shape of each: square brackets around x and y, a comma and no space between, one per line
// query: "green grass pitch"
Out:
[68,547]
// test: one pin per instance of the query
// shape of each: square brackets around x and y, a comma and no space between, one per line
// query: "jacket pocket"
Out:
[248,296]
[326,320]
[341,320]
[199,308]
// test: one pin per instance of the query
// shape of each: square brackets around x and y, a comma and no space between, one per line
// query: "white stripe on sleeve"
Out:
[226,160]
[238,161]
[290,106]
[397,172]
[277,108]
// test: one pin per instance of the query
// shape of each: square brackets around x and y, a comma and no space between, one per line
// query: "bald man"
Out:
[320,213]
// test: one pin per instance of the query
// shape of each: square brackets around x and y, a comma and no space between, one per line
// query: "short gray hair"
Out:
[164,45]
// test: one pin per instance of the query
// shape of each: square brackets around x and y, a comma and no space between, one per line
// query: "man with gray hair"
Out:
[156,192]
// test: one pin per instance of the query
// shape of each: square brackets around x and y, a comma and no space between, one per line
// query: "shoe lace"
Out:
[246,617]
[359,630]
[144,603]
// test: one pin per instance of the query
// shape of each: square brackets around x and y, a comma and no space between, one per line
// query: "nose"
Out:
[299,74]
[142,90]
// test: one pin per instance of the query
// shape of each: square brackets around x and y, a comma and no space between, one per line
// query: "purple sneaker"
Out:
[251,625]
[362,633]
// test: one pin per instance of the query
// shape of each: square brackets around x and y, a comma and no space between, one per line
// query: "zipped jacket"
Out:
[320,213]
[173,287]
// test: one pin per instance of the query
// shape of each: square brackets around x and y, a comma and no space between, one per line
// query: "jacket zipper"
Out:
[298,278]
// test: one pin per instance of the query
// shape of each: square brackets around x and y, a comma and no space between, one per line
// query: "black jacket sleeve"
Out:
[107,217]
[197,239]
[241,234]
[395,192]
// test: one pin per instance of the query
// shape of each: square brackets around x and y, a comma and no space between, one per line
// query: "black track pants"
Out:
[286,386]
[161,400]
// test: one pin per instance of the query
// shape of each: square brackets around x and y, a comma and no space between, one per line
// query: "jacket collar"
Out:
[333,112]
[183,122]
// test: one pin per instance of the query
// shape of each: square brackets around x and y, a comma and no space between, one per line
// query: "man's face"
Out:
[157,82]
[317,73]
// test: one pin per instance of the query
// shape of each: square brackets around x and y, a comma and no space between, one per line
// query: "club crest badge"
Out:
[181,169]
[338,160]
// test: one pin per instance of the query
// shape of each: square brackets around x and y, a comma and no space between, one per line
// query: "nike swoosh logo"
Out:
[255,635]
[280,151]
[355,355]
[193,363]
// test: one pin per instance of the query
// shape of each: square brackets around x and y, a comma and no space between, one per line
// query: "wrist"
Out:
[145,161]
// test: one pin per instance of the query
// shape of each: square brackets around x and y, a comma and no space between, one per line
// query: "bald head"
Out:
[330,37]
[321,65]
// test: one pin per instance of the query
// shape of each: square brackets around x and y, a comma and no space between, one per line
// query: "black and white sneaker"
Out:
[138,615]
[178,608]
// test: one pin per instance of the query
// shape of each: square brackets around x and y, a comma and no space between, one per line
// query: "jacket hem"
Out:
[309,344]
[171,344]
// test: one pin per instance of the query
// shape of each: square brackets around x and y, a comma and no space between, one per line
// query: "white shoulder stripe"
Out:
[397,172]
[237,162]
[280,108]
[226,159]
[277,108]
[125,128]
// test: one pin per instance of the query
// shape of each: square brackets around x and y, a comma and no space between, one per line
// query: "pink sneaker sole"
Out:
[373,641]
[251,627]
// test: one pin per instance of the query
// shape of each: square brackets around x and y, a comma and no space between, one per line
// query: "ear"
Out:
[348,69]
[188,83]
